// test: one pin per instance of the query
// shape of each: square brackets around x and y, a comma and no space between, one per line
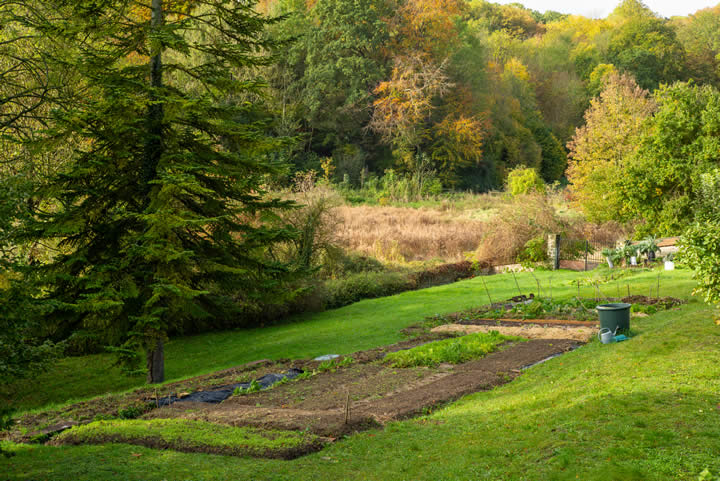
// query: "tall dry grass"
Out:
[401,234]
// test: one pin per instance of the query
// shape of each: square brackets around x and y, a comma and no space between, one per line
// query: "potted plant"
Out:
[669,263]
[649,247]
[612,256]
[630,253]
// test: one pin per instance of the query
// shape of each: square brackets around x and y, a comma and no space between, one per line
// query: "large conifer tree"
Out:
[158,212]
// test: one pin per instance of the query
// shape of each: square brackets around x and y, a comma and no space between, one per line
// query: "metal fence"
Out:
[586,251]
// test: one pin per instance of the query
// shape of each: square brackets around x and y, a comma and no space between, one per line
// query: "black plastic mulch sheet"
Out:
[222,393]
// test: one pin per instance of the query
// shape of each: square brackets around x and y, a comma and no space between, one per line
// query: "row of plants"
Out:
[632,253]
[455,350]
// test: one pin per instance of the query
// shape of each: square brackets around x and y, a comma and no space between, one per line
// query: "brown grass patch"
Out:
[400,234]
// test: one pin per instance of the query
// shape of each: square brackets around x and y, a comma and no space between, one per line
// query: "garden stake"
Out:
[486,290]
[658,289]
[628,286]
[550,281]
[537,282]
[602,294]
[347,406]
[516,283]
[578,283]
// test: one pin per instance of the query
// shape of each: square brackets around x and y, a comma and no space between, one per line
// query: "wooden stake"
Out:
[516,283]
[551,295]
[658,287]
[538,284]
[628,286]
[486,290]
[602,294]
[347,407]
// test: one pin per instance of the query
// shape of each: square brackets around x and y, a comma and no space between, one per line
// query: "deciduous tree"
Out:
[599,149]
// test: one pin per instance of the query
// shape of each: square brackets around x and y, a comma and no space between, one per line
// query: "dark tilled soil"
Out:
[378,393]
[665,302]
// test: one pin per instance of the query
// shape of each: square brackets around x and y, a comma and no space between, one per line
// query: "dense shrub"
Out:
[534,251]
[341,292]
[523,180]
[442,274]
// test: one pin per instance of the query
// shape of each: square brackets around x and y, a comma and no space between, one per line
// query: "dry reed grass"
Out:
[401,234]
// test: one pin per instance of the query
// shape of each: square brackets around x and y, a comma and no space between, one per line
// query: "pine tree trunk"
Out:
[153,152]
[154,143]
[156,363]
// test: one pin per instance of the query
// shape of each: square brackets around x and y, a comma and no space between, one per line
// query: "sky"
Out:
[601,8]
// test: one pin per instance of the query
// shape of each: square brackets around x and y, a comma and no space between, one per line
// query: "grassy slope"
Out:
[644,409]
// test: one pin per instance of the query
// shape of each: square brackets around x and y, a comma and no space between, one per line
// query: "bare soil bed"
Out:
[367,394]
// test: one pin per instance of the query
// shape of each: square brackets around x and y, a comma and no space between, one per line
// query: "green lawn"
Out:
[646,409]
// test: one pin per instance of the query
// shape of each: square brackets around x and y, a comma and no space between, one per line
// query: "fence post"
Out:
[557,251]
[587,248]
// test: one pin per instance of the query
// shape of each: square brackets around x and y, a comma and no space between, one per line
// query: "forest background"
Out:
[593,126]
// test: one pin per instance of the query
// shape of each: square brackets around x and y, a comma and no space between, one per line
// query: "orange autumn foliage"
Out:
[428,26]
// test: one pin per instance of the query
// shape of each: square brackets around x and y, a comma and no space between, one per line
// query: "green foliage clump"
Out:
[253,387]
[534,252]
[23,351]
[524,180]
[134,411]
[186,434]
[332,364]
[456,350]
[700,250]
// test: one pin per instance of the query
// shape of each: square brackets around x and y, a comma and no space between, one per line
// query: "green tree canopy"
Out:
[158,213]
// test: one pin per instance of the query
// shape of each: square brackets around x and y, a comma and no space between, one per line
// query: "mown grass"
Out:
[645,409]
[190,436]
[360,326]
[454,351]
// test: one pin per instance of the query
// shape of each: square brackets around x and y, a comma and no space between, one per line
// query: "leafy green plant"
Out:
[456,350]
[629,250]
[253,387]
[534,252]
[614,255]
[131,412]
[707,475]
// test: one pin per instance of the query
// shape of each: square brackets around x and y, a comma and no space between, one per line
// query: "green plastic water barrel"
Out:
[615,316]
